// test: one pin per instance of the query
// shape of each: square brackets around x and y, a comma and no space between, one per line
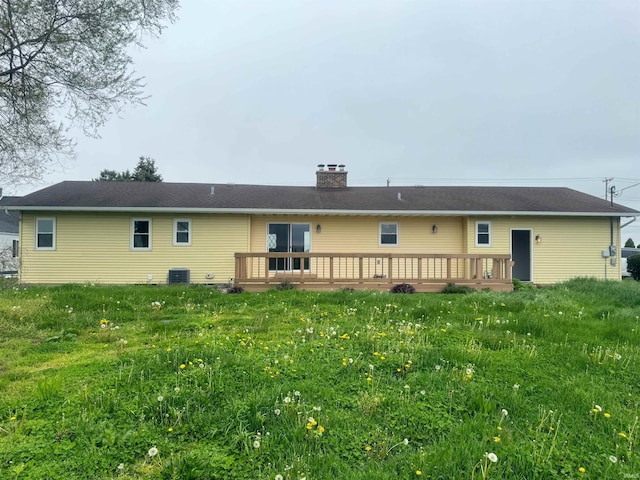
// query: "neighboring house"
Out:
[325,236]
[8,237]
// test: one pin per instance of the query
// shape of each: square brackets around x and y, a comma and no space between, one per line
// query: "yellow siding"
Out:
[360,234]
[570,247]
[96,248]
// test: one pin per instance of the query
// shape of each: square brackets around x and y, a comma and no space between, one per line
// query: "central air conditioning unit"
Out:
[179,275]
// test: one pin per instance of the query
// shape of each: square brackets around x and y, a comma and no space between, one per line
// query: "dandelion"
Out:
[160,398]
[418,472]
[287,399]
[405,441]
[496,439]
[170,429]
[613,459]
[597,408]
[423,392]
[516,387]
[623,435]
[277,411]
[505,413]
[607,415]
[492,457]
[582,470]
[279,477]
[121,467]
[256,444]
[177,389]
[182,366]
[153,451]
[13,418]
[367,448]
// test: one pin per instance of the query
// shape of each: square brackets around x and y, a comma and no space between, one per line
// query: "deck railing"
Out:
[321,271]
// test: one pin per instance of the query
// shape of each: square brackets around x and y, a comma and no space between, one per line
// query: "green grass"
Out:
[319,385]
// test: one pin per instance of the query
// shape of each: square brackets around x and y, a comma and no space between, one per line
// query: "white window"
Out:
[182,231]
[483,234]
[140,234]
[45,233]
[388,234]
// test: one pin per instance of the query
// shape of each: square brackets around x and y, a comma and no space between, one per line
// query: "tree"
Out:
[145,171]
[633,266]
[66,58]
[629,243]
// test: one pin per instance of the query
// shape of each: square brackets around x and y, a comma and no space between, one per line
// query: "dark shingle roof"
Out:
[8,221]
[256,198]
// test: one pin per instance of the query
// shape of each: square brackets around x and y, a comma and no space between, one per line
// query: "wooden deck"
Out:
[371,271]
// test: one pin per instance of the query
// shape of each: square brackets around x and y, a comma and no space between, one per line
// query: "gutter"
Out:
[629,222]
[292,211]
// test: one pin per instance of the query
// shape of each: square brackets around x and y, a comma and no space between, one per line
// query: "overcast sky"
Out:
[527,92]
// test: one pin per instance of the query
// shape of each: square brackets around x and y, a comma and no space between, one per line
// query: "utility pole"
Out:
[606,186]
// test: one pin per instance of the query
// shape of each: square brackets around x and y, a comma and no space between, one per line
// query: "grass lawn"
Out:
[186,382]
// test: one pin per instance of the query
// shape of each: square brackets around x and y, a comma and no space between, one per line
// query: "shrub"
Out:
[633,266]
[286,285]
[520,285]
[403,288]
[235,289]
[453,288]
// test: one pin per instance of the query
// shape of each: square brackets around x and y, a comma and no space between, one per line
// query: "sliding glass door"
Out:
[288,237]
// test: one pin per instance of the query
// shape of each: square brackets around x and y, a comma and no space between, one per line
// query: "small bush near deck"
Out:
[286,285]
[633,266]
[235,289]
[453,288]
[403,288]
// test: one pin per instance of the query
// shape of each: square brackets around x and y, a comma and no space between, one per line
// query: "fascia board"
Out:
[293,211]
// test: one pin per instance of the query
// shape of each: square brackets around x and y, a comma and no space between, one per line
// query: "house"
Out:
[326,236]
[8,238]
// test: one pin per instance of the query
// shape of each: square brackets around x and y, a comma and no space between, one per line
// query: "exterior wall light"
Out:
[538,239]
[318,228]
[434,228]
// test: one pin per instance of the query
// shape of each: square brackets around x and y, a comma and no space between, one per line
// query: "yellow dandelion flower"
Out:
[496,439]
[321,428]
[367,448]
[418,472]
[369,379]
[623,435]
[582,470]
[182,366]
[607,415]
[13,419]
[169,429]
[499,428]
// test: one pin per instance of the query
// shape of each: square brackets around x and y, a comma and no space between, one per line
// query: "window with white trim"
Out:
[45,233]
[140,234]
[388,234]
[483,234]
[182,232]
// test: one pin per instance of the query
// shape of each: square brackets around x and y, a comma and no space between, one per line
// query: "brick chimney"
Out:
[333,176]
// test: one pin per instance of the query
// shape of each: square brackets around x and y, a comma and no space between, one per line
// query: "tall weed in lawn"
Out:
[187,382]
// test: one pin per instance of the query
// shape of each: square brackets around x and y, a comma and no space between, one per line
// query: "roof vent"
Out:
[212,189]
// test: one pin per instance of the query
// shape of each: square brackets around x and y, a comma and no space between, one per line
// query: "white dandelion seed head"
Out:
[296,393]
[613,459]
[256,444]
[492,457]
[598,407]
[177,389]
[153,451]
[279,477]
[160,398]
[423,392]
[277,411]
[469,371]
[121,467]
[407,387]
[505,413]
[287,399]
[405,441]
[516,386]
